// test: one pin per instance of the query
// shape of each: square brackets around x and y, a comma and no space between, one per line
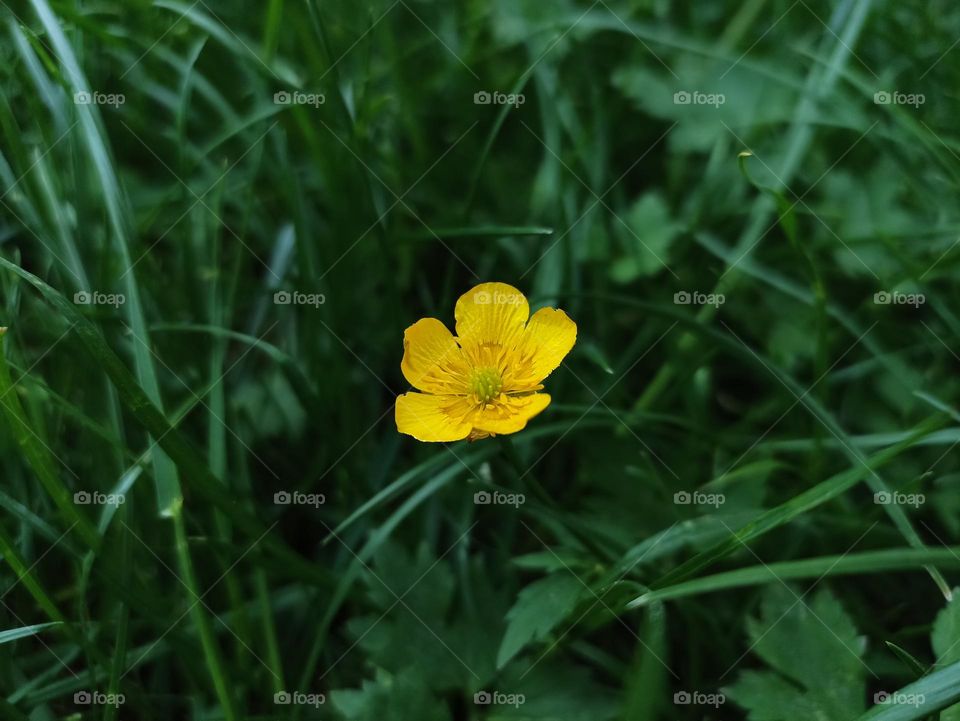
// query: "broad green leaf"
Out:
[813,652]
[539,608]
[646,230]
[390,698]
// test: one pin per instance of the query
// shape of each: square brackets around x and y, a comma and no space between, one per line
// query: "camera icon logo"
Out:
[82,498]
[282,698]
[82,698]
[282,498]
[882,298]
[482,498]
[282,297]
[82,297]
[482,98]
[882,498]
[82,97]
[681,298]
[881,97]
[881,697]
[282,98]
[681,698]
[682,498]
[681,97]
[482,698]
[482,298]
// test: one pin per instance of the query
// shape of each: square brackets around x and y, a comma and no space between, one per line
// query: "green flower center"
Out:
[485,384]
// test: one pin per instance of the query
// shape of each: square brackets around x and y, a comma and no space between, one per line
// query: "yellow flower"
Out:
[484,382]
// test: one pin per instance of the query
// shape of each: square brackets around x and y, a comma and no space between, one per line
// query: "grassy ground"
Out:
[216,222]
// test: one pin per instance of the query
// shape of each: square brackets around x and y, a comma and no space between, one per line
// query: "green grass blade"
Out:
[899,559]
[796,506]
[932,693]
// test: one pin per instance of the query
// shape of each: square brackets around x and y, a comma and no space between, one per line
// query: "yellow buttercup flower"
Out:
[484,381]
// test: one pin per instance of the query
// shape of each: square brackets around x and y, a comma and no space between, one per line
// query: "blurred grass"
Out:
[190,188]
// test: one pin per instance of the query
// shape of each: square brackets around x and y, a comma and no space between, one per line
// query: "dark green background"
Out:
[795,401]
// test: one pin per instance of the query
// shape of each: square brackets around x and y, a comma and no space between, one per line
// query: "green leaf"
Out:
[539,608]
[647,230]
[390,698]
[814,655]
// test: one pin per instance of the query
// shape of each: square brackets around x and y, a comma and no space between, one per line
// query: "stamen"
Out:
[485,384]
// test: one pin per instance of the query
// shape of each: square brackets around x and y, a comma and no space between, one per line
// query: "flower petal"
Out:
[432,360]
[548,338]
[491,315]
[510,414]
[428,418]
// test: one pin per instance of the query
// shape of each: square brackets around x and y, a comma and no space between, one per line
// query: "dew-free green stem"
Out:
[211,651]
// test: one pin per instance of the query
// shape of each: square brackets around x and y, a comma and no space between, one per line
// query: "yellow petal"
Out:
[509,414]
[432,360]
[490,315]
[428,418]
[548,338]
